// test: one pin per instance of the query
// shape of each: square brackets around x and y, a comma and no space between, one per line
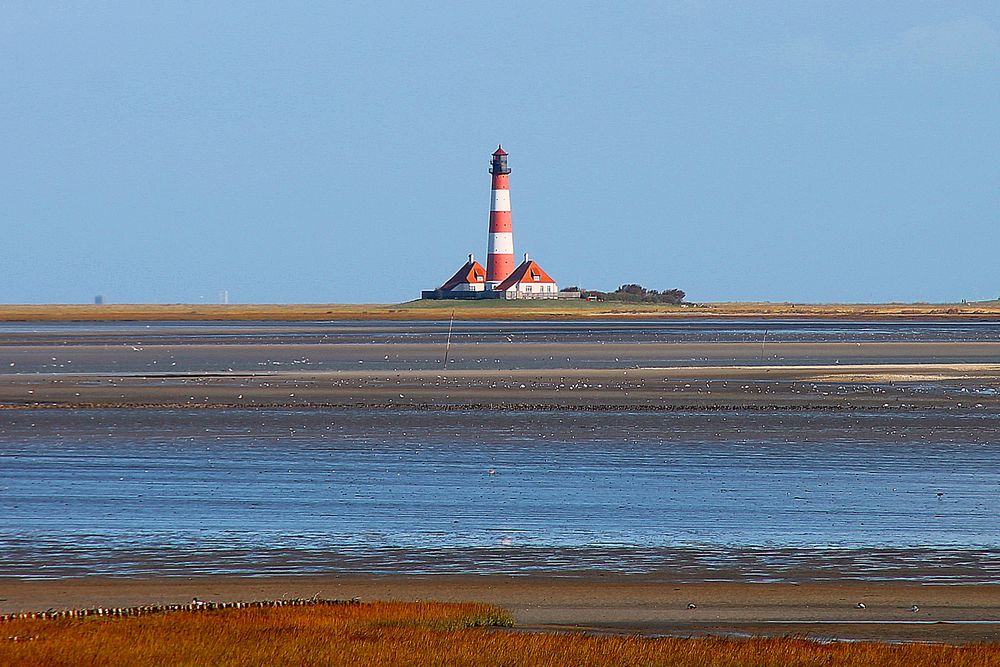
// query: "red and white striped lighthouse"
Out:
[500,258]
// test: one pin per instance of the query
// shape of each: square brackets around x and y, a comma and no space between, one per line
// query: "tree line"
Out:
[632,293]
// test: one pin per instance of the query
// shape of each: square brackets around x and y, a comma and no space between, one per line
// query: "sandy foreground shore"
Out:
[628,604]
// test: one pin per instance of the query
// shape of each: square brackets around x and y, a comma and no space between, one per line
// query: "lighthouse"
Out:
[502,278]
[500,253]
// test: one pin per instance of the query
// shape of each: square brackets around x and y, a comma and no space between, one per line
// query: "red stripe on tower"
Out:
[500,258]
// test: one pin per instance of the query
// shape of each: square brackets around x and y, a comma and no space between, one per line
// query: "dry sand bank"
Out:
[605,603]
[496,310]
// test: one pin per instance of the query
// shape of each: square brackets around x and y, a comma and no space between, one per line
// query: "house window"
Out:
[527,288]
[535,277]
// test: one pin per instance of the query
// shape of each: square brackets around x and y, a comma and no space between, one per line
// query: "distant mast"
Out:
[500,260]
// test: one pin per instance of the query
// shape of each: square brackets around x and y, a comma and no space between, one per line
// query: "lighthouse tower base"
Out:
[435,294]
[464,296]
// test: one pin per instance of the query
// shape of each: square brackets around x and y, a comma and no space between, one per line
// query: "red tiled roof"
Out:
[499,151]
[526,273]
[473,272]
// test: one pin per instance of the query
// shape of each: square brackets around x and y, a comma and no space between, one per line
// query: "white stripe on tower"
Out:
[501,243]
[500,259]
[501,201]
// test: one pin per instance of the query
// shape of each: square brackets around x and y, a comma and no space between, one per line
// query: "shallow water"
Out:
[770,496]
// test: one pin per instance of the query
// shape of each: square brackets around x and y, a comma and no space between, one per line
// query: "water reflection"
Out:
[704,495]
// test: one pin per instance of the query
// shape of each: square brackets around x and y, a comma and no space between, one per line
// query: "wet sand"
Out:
[836,387]
[597,604]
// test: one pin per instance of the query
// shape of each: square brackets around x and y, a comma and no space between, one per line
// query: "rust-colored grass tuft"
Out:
[400,633]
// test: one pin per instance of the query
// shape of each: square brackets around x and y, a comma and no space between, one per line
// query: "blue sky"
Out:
[312,152]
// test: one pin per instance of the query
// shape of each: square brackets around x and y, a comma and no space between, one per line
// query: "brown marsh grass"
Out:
[413,634]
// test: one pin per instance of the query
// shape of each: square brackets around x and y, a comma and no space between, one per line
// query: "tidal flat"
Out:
[632,458]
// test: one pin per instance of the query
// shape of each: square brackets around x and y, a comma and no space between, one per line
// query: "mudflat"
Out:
[431,365]
[852,386]
[946,375]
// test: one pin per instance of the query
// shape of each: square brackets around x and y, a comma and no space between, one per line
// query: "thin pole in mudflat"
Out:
[447,345]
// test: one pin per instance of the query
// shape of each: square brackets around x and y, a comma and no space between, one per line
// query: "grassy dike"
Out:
[563,309]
